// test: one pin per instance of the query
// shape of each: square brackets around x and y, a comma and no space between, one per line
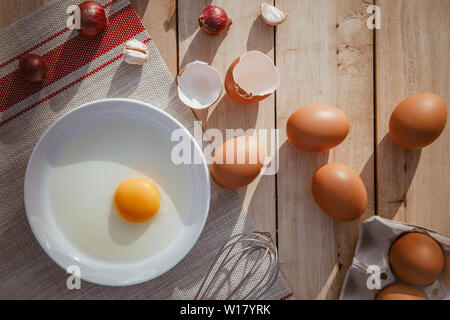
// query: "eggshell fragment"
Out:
[199,85]
[339,192]
[237,162]
[418,120]
[317,127]
[416,258]
[400,291]
[251,78]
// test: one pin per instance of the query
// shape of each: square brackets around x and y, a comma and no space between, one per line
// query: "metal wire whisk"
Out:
[246,267]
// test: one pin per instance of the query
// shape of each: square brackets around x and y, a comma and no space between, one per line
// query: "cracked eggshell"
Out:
[252,77]
[199,85]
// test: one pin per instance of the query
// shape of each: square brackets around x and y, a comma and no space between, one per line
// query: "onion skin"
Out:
[33,68]
[214,20]
[92,18]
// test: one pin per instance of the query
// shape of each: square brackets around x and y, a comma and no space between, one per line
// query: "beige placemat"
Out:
[83,70]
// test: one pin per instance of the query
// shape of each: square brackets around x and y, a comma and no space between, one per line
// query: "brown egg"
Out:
[339,192]
[446,273]
[400,291]
[416,258]
[317,127]
[237,162]
[418,120]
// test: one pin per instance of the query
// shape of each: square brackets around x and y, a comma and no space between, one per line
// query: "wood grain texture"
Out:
[247,32]
[324,54]
[12,11]
[159,18]
[413,56]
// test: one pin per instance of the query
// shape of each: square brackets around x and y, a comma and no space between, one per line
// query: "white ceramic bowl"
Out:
[42,219]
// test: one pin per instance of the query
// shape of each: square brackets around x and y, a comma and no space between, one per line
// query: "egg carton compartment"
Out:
[375,239]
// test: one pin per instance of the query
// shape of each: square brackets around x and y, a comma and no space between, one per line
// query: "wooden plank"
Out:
[247,32]
[12,11]
[324,53]
[412,54]
[159,17]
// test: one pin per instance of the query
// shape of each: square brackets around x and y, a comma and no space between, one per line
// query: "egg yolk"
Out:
[137,199]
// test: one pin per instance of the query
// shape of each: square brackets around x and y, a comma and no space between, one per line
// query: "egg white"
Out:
[85,175]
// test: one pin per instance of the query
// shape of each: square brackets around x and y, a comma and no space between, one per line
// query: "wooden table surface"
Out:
[325,54]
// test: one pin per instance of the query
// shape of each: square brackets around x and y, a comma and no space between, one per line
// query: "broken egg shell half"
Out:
[199,85]
[252,77]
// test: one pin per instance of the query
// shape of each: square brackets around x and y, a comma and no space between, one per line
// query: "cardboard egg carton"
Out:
[372,252]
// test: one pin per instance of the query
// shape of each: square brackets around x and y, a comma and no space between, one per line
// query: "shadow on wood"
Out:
[140,6]
[203,47]
[300,220]
[396,168]
[240,116]
[255,41]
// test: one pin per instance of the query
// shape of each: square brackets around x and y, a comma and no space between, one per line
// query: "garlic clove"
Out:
[135,52]
[136,45]
[134,57]
[272,15]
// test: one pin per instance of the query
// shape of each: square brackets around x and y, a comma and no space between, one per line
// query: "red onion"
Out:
[214,20]
[92,18]
[33,68]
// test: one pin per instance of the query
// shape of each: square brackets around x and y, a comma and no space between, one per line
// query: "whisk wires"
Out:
[245,267]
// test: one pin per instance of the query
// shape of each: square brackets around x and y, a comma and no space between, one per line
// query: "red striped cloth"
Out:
[68,57]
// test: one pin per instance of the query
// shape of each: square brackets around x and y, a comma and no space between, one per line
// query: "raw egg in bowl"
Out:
[103,192]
